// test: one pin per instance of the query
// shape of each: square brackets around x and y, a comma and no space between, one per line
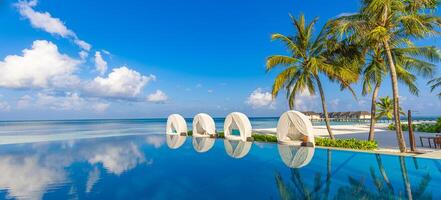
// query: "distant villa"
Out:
[339,115]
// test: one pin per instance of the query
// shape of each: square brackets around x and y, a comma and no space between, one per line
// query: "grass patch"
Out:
[347,143]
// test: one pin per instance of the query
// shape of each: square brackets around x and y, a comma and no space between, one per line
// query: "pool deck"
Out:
[386,138]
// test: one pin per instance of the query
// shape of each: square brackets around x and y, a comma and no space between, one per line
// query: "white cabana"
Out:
[176,125]
[295,156]
[293,127]
[175,141]
[202,144]
[237,126]
[203,126]
[237,148]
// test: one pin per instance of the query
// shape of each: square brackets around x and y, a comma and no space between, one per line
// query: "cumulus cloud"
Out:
[100,63]
[38,67]
[259,98]
[157,97]
[155,140]
[121,83]
[71,101]
[45,21]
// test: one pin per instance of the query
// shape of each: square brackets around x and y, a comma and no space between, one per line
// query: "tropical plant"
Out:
[435,83]
[386,108]
[388,24]
[309,58]
[375,71]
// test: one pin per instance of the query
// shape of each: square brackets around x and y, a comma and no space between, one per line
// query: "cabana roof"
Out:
[237,122]
[203,126]
[293,127]
[176,125]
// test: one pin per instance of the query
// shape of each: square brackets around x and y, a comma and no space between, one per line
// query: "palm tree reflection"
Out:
[356,188]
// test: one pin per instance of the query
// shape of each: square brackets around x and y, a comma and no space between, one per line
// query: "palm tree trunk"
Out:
[325,109]
[393,75]
[373,111]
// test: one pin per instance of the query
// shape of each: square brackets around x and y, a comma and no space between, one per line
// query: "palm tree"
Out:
[310,57]
[435,83]
[388,23]
[375,71]
[386,108]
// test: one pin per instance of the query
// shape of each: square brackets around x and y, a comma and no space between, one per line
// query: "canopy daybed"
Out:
[202,144]
[203,126]
[237,148]
[295,128]
[295,156]
[176,125]
[237,126]
[175,141]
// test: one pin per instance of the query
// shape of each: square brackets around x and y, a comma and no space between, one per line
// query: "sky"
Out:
[79,59]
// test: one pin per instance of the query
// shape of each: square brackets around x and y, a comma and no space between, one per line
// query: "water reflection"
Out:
[237,148]
[30,171]
[376,184]
[175,141]
[295,156]
[203,144]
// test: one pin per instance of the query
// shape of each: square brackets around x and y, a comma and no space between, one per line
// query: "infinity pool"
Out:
[156,167]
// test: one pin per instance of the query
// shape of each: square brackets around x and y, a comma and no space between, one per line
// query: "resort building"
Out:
[349,115]
[312,115]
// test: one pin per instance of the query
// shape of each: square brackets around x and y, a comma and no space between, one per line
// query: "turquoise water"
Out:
[150,167]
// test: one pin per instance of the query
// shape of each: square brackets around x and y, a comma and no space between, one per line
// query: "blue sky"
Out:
[133,59]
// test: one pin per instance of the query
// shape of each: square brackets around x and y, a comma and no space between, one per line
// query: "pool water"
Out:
[156,167]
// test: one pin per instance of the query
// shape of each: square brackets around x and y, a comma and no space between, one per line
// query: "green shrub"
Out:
[429,128]
[264,138]
[347,143]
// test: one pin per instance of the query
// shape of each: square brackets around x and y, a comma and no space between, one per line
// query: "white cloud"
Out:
[4,106]
[100,63]
[121,83]
[83,54]
[259,98]
[48,23]
[157,97]
[71,101]
[24,102]
[101,107]
[82,44]
[39,67]
[210,91]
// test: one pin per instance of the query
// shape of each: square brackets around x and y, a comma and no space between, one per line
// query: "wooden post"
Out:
[411,135]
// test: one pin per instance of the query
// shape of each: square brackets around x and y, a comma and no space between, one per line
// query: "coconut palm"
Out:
[386,108]
[408,66]
[389,23]
[309,58]
[435,83]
